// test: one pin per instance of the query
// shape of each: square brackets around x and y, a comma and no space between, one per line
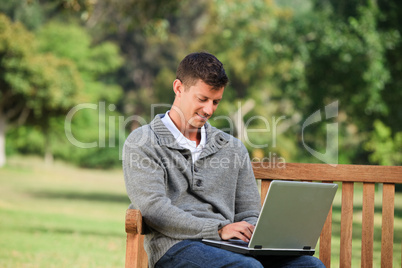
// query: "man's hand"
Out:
[242,230]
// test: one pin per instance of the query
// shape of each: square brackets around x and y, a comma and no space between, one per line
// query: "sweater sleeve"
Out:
[145,183]
[248,201]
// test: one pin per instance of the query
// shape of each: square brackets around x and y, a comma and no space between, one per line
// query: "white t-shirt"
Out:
[183,141]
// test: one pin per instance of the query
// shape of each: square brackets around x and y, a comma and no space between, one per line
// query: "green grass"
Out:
[63,216]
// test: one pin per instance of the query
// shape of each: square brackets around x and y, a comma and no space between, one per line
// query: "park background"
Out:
[107,67]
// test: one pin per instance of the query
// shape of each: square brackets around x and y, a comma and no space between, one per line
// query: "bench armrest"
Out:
[134,221]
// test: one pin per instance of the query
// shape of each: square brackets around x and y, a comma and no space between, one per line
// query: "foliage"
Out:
[94,63]
[358,71]
[141,28]
[386,149]
[33,85]
[33,80]
[289,59]
[30,13]
[299,66]
[62,68]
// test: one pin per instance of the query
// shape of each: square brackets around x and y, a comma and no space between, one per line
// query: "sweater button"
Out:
[198,183]
[195,169]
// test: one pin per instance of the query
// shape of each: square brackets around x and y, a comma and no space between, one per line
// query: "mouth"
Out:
[203,118]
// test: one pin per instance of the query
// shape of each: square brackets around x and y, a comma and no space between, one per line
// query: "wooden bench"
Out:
[347,176]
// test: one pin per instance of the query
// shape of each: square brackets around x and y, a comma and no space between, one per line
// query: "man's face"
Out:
[197,103]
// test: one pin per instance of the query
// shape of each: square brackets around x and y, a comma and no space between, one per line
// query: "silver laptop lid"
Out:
[293,215]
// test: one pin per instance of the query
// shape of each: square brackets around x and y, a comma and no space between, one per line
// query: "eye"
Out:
[216,102]
[202,100]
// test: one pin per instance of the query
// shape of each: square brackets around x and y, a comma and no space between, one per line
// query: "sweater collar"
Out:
[216,139]
[180,138]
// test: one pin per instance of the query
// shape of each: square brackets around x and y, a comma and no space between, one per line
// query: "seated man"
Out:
[192,181]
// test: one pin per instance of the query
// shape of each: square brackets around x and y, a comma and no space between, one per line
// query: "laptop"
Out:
[290,221]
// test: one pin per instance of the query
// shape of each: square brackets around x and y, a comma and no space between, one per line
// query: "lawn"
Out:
[63,216]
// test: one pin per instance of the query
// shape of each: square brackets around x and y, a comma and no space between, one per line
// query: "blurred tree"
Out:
[58,33]
[34,13]
[32,84]
[386,149]
[390,22]
[148,35]
[30,13]
[353,51]
[95,63]
[299,60]
[253,39]
[292,60]
[291,57]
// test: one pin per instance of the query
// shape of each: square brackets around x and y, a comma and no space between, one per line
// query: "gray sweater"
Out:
[180,200]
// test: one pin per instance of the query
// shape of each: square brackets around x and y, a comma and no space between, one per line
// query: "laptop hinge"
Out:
[306,248]
[257,247]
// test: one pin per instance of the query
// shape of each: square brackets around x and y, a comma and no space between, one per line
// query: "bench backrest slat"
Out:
[387,228]
[367,225]
[346,225]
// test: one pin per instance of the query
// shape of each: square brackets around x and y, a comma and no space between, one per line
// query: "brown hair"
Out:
[204,66]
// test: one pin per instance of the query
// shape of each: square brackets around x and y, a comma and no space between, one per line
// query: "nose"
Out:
[209,108]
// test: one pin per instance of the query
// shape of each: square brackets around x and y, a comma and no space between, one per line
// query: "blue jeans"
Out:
[193,253]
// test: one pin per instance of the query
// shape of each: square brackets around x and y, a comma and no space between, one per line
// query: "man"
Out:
[192,181]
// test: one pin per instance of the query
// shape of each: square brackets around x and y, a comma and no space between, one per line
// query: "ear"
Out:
[178,87]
